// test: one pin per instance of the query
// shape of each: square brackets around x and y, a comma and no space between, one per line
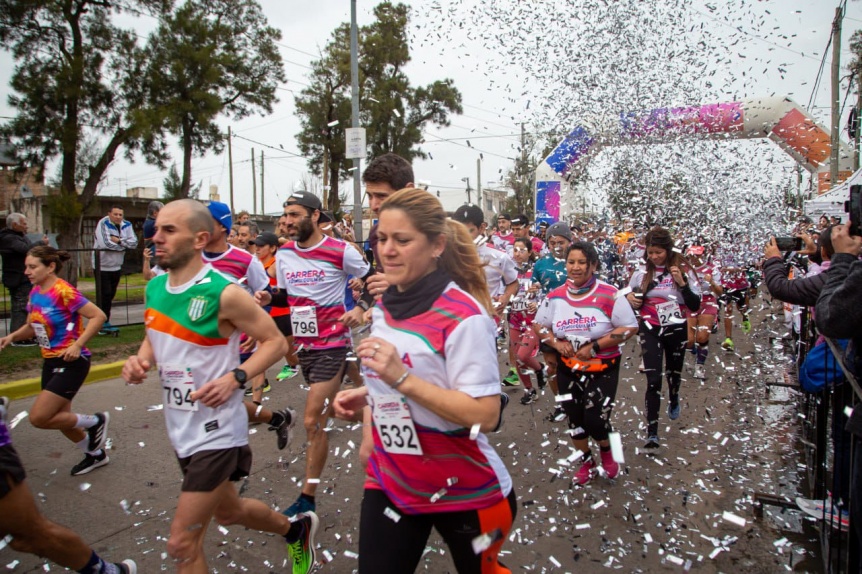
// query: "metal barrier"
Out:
[829,453]
[132,307]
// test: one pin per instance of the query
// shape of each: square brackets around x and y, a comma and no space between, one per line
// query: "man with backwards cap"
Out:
[549,272]
[521,230]
[503,239]
[311,272]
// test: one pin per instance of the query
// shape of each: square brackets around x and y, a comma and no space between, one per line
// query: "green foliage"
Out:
[393,112]
[173,186]
[209,58]
[64,210]
[855,65]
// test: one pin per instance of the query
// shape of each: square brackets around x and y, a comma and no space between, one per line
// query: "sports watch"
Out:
[240,377]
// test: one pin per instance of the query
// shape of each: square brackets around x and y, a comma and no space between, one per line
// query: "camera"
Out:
[854,208]
[788,243]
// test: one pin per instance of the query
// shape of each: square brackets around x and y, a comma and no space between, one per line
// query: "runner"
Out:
[500,272]
[586,323]
[312,271]
[523,344]
[503,239]
[267,245]
[245,270]
[194,317]
[55,319]
[701,322]
[664,292]
[521,229]
[432,354]
[31,532]
[549,273]
[734,282]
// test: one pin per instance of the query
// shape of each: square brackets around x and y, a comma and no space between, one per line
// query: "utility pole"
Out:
[230,166]
[467,179]
[858,126]
[524,175]
[479,180]
[253,183]
[262,208]
[354,111]
[325,178]
[836,86]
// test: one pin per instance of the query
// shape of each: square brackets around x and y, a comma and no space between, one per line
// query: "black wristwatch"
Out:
[240,377]
[595,350]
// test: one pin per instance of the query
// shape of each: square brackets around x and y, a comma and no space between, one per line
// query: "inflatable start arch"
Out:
[779,119]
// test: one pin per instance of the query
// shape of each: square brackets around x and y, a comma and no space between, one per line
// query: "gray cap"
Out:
[559,229]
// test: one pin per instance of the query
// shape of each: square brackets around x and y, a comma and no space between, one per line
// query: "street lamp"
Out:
[467,179]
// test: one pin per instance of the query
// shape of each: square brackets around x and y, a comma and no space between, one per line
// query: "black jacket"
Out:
[803,291]
[14,246]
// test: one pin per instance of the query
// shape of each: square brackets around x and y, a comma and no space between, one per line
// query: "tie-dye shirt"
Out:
[57,311]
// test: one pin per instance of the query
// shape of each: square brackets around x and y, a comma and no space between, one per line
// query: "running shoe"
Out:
[302,505]
[652,442]
[746,326]
[4,408]
[511,380]
[558,415]
[127,566]
[585,474]
[610,466]
[714,329]
[826,511]
[529,397]
[287,372]
[699,372]
[266,388]
[284,431]
[98,433]
[728,344]
[673,410]
[25,343]
[300,542]
[108,329]
[90,463]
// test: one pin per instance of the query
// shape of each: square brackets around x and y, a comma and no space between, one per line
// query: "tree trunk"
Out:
[185,185]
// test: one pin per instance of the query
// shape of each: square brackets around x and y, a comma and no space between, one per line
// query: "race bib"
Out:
[41,335]
[178,385]
[669,313]
[518,304]
[304,321]
[577,341]
[395,425]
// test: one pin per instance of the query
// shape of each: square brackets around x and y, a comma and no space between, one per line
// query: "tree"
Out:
[76,73]
[393,112]
[173,185]
[210,58]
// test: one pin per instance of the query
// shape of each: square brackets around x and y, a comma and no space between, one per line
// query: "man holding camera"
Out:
[839,315]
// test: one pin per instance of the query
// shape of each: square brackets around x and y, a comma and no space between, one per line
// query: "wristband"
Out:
[400,379]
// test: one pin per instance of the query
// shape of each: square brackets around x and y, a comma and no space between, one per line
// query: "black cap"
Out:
[305,199]
[520,219]
[265,238]
[325,217]
[505,216]
[469,213]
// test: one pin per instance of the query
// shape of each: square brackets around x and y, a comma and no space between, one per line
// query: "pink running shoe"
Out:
[612,469]
[585,473]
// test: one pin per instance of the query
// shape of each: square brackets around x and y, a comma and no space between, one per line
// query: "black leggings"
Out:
[593,395]
[389,546]
[658,343]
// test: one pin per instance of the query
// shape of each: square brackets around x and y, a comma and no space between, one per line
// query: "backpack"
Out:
[820,370]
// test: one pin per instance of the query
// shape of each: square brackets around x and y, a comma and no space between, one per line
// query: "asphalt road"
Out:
[664,513]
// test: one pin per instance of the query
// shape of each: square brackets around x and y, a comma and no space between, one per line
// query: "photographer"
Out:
[839,314]
[803,291]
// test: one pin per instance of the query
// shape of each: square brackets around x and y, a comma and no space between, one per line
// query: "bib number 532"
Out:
[400,438]
[395,425]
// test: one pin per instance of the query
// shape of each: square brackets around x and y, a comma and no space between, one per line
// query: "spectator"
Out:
[802,291]
[839,314]
[14,246]
[150,226]
[112,237]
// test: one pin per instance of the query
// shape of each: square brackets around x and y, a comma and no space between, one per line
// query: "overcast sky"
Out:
[777,43]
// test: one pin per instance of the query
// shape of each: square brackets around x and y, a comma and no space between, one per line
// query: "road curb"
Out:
[30,387]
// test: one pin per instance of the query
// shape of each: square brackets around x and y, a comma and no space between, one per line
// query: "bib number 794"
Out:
[176,399]
[178,384]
